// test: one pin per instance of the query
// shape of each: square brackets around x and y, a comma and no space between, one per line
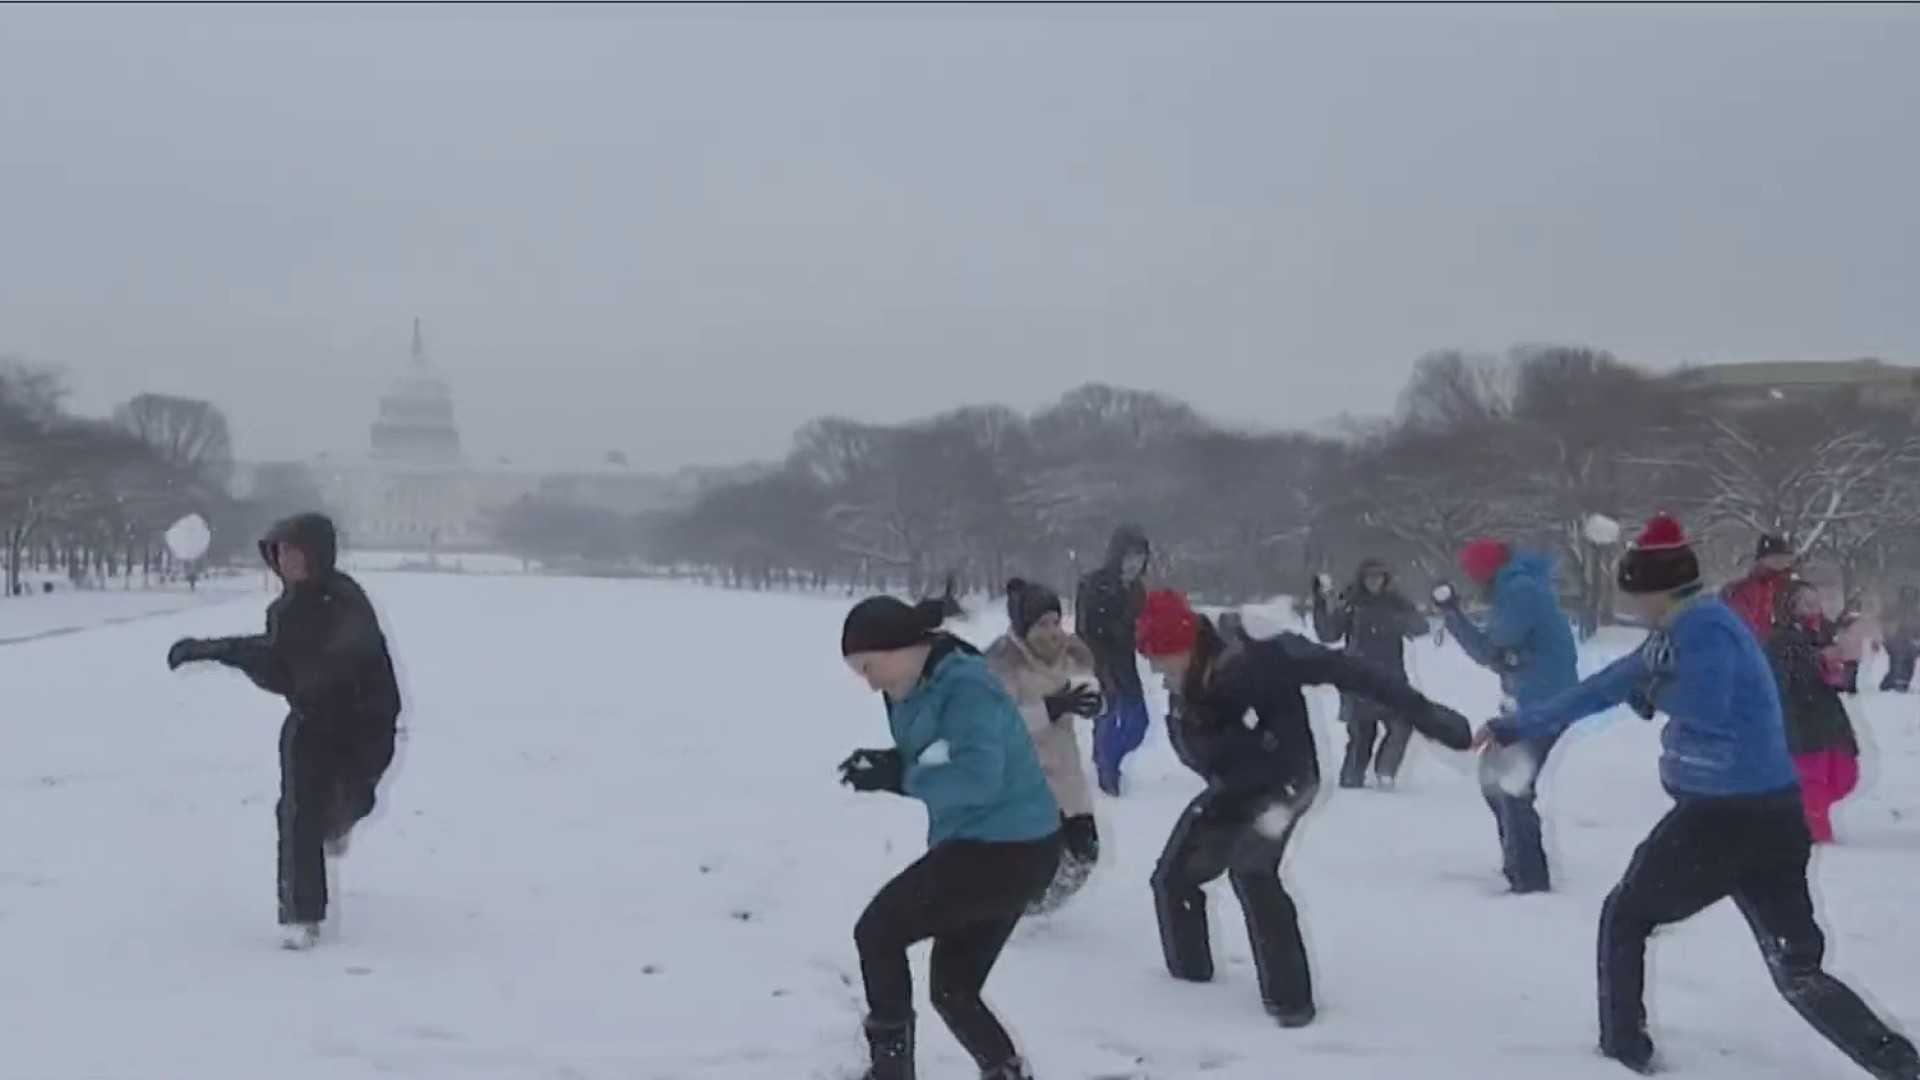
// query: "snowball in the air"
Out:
[937,754]
[1602,530]
[189,538]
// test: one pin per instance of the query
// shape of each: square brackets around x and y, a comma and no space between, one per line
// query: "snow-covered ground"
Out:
[613,846]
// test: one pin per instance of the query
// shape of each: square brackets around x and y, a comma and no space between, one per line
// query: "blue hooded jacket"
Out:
[967,754]
[1528,640]
[1724,733]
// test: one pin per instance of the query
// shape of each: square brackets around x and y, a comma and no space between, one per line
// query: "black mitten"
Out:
[1081,700]
[874,770]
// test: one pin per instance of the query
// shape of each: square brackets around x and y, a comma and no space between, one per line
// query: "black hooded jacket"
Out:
[323,650]
[1242,720]
[1373,625]
[1104,612]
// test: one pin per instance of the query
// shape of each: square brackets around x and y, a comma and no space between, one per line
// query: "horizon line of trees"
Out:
[92,497]
[1529,447]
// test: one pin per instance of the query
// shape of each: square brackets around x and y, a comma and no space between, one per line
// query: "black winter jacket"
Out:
[1816,718]
[1105,608]
[323,649]
[1372,625]
[1242,720]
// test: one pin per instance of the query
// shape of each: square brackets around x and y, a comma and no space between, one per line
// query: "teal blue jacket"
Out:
[967,754]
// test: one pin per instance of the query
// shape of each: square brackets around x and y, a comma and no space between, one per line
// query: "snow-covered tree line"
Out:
[1536,446]
[94,497]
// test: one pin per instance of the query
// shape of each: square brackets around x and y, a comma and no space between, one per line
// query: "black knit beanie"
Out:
[1660,561]
[1028,603]
[886,623]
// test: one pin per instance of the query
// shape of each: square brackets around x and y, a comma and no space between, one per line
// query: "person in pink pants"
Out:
[1811,673]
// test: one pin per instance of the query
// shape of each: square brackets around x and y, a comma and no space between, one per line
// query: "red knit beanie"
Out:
[1167,625]
[1483,558]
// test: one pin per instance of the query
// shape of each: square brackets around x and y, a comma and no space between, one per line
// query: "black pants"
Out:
[1364,722]
[328,773]
[1243,837]
[966,895]
[1755,850]
[1901,656]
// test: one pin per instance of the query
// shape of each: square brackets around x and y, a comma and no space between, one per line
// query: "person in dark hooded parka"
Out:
[324,652]
[1374,621]
[1104,612]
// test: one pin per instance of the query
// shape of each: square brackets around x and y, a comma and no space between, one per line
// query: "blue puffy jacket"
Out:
[1724,734]
[967,753]
[1527,640]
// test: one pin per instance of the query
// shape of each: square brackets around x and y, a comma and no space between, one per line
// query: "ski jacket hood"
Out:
[311,533]
[967,754]
[1126,540]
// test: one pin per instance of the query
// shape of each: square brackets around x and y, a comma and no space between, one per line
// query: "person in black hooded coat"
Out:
[1374,621]
[1105,608]
[324,652]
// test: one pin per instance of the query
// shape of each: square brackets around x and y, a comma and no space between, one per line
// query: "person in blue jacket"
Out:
[1736,828]
[961,747]
[1530,645]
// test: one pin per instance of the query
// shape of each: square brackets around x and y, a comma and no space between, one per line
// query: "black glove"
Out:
[1444,597]
[1641,701]
[1444,726]
[874,770]
[1079,700]
[194,650]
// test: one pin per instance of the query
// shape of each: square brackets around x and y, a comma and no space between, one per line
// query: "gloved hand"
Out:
[1496,731]
[1641,701]
[1444,597]
[194,650]
[1445,726]
[874,770]
[1081,700]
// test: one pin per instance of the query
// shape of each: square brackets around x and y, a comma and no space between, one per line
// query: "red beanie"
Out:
[1167,625]
[1483,558]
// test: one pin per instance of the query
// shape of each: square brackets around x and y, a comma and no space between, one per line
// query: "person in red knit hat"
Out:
[1240,721]
[1529,644]
[1736,829]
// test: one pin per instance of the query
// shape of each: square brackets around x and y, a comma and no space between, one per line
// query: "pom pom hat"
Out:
[1481,559]
[1167,625]
[1661,560]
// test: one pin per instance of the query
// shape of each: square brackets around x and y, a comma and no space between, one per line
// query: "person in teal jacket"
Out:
[961,747]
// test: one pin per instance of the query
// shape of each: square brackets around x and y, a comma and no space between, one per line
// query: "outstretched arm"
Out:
[1612,686]
[1353,675]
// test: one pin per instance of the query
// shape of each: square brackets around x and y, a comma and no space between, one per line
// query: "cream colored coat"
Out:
[1029,680]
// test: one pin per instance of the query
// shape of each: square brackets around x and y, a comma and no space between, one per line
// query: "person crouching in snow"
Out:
[324,652]
[1242,725]
[1037,660]
[1819,731]
[1736,828]
[961,747]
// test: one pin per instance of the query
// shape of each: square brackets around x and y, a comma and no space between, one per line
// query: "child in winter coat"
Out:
[1736,828]
[1820,736]
[1037,660]
[960,747]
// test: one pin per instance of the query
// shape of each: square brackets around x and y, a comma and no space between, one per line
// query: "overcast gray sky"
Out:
[682,232]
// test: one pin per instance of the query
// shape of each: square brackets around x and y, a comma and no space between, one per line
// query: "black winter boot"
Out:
[892,1048]
[1012,1070]
[1291,1017]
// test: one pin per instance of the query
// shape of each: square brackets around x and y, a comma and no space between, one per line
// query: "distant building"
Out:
[1844,382]
[415,488]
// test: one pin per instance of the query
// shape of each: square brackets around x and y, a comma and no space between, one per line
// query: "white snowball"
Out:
[1603,530]
[189,538]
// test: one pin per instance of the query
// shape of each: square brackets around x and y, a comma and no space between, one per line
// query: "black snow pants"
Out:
[967,895]
[328,773]
[1243,837]
[1753,849]
[1364,721]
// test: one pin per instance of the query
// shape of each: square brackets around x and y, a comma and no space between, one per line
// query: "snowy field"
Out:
[613,847]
